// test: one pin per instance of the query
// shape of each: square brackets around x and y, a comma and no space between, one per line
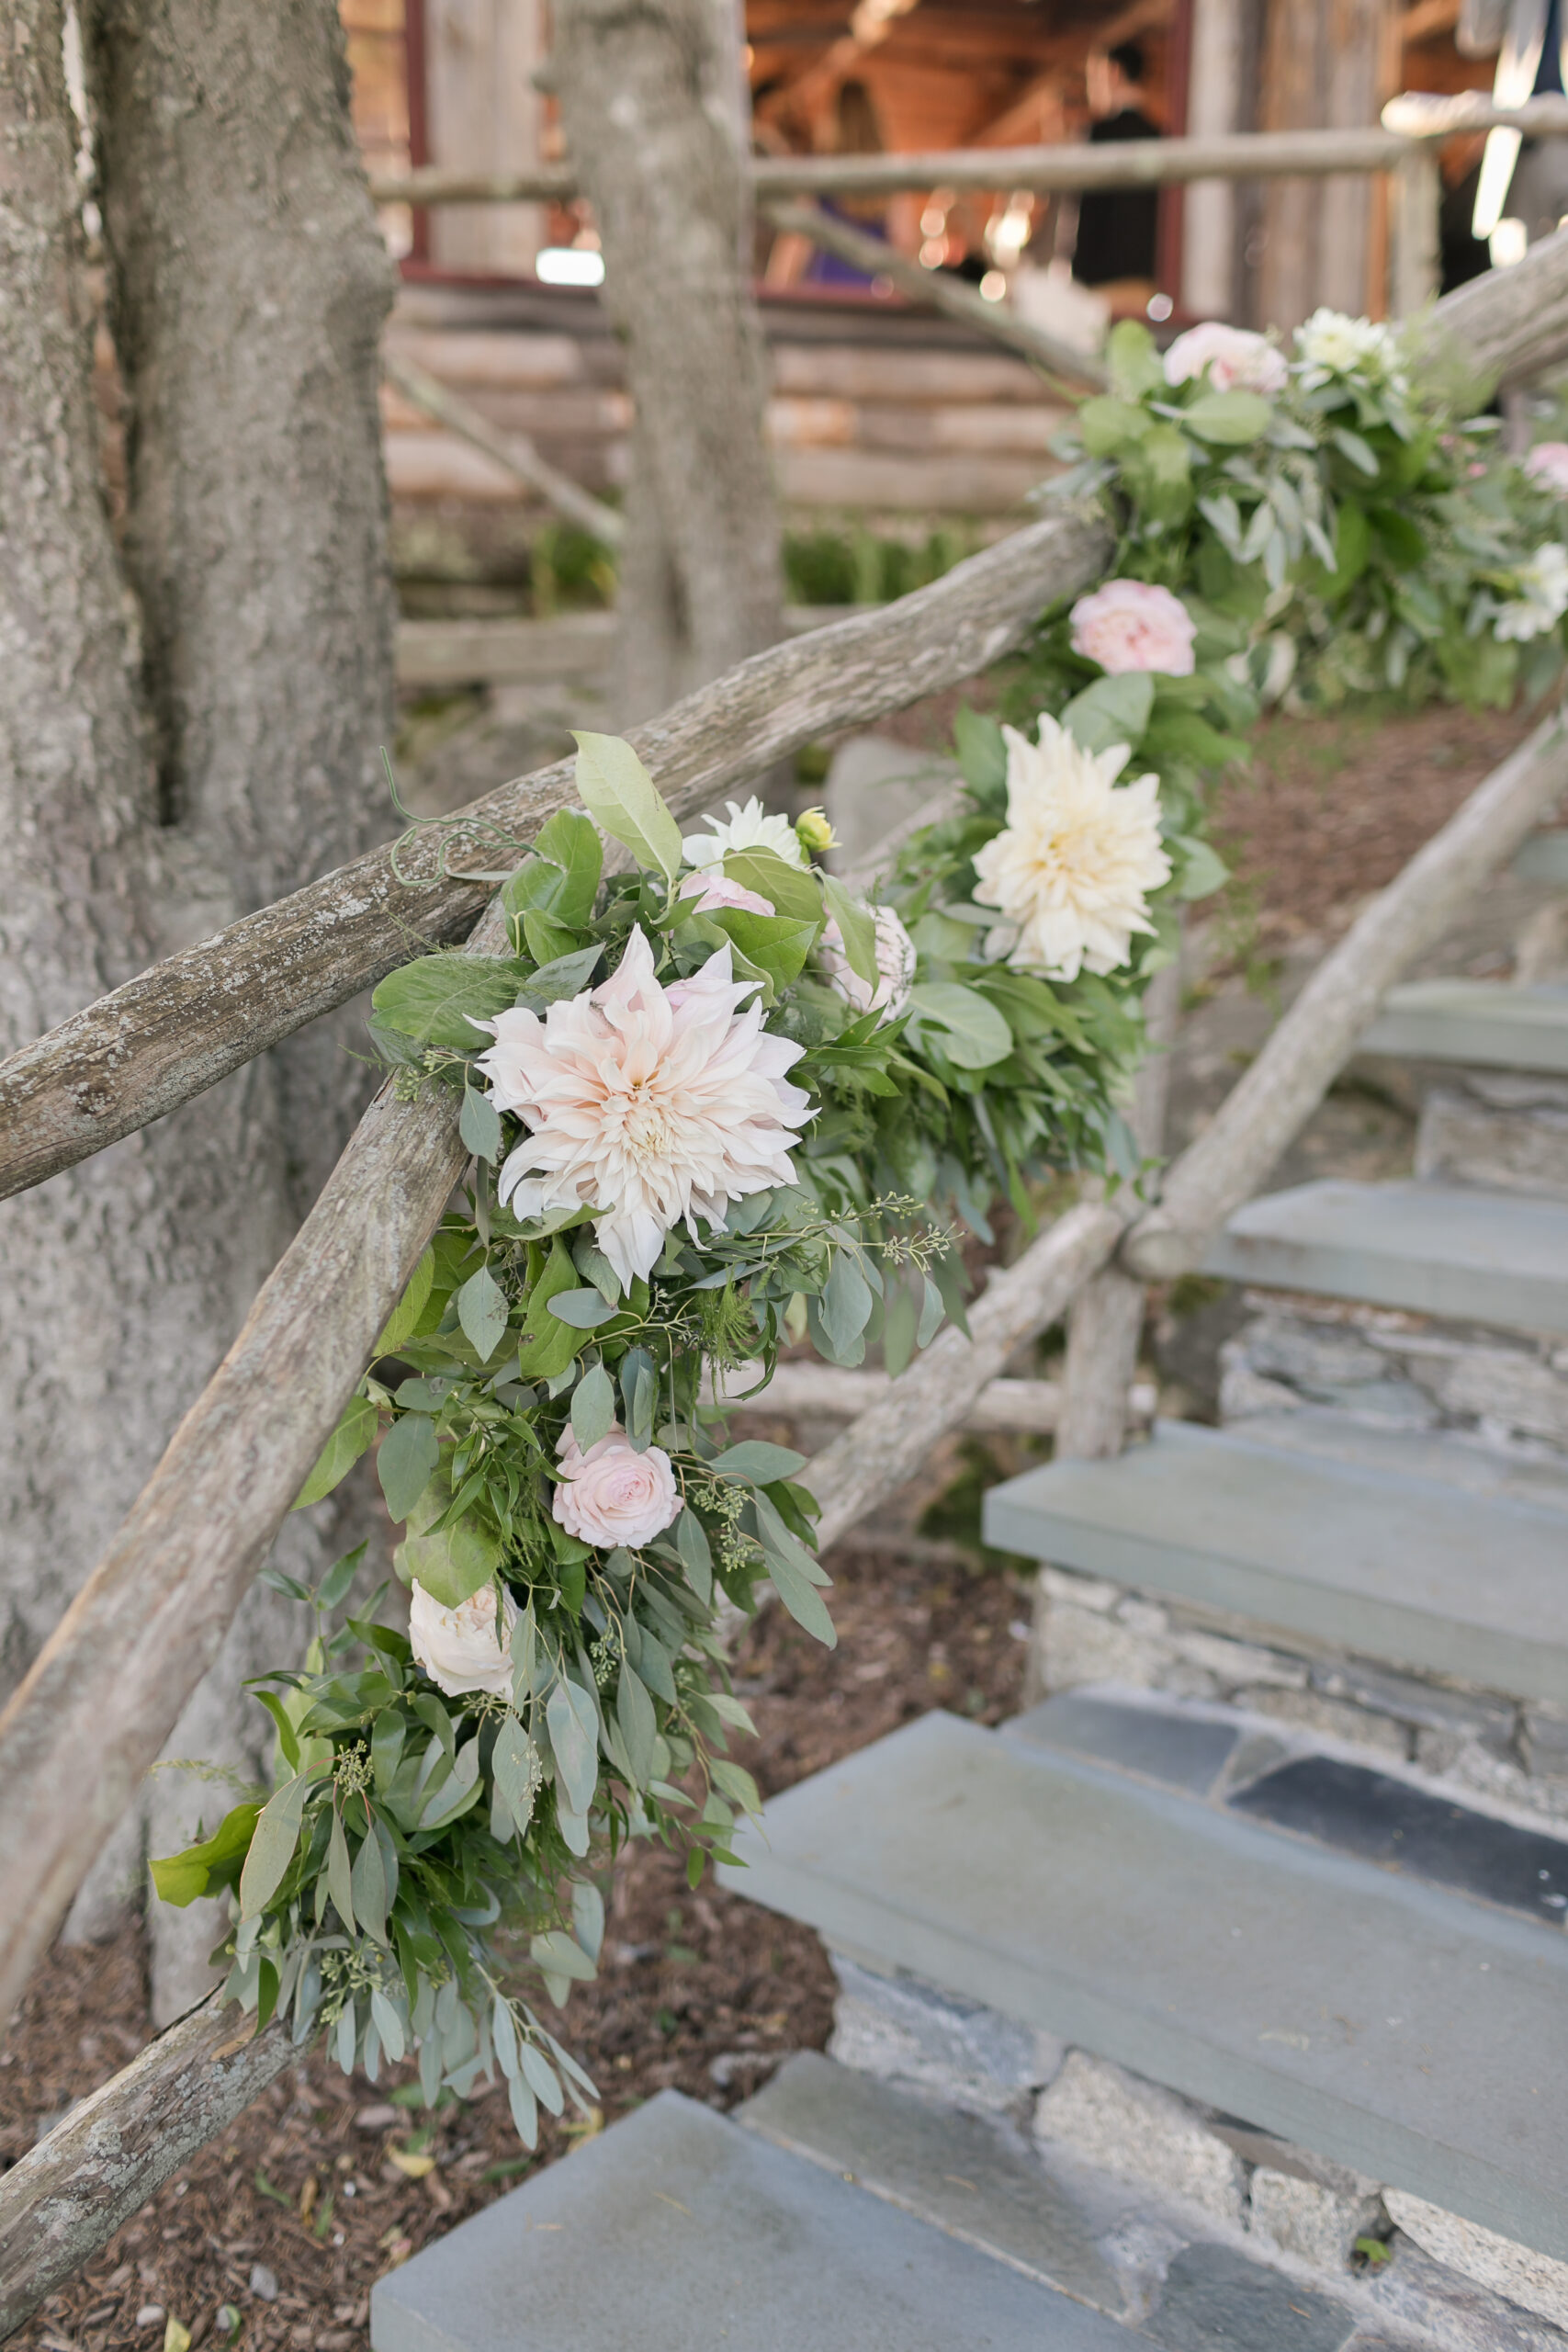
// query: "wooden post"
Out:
[482,113]
[1415,255]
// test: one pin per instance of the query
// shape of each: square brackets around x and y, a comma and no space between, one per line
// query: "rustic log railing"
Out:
[102,1696]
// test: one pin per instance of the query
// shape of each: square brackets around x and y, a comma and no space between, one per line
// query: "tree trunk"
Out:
[650,100]
[155,783]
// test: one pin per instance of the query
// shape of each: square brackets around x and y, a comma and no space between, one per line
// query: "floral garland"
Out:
[706,1099]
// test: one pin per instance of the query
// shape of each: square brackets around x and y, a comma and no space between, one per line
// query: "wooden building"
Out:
[878,411]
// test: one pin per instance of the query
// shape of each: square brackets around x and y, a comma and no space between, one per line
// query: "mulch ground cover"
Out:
[273,2235]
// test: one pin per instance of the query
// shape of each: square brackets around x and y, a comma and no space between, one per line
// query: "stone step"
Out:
[1089,2234]
[1448,1250]
[1410,2032]
[1483,1023]
[677,2229]
[1372,1551]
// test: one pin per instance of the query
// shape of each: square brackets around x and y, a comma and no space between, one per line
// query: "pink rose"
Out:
[1236,359]
[1128,625]
[614,1495]
[1548,464]
[718,890]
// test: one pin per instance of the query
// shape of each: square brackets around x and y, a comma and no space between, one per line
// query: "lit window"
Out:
[570,265]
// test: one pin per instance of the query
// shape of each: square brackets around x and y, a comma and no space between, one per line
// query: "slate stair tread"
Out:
[676,2228]
[1406,2030]
[1374,1552]
[1487,1024]
[1448,1250]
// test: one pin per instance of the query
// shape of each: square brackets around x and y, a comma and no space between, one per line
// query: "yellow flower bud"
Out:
[815,834]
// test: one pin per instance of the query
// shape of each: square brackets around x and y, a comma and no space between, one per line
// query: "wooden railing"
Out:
[101,1697]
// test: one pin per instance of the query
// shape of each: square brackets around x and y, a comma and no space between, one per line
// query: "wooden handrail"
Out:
[177,1029]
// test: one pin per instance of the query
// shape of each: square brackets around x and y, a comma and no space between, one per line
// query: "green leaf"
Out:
[334,1587]
[1228,419]
[481,1311]
[272,1845]
[981,747]
[478,1123]
[565,976]
[1351,445]
[634,1711]
[619,794]
[1202,869]
[781,1543]
[574,1737]
[353,1435]
[696,1557]
[771,943]
[857,928]
[587,1920]
[736,1782]
[1111,710]
[968,1029]
[451,1562]
[758,1462]
[639,1393]
[525,2113]
[547,942]
[593,1407]
[585,1310]
[208,1868]
[368,1891]
[436,1000]
[1107,425]
[571,840]
[548,1344]
[1134,359]
[388,2023]
[406,1461]
[340,1879]
[932,1312]
[790,891]
[409,1307]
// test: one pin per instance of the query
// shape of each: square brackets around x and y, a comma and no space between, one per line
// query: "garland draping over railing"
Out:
[704,1101]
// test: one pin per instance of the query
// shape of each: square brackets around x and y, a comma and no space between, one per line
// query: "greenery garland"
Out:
[715,1102]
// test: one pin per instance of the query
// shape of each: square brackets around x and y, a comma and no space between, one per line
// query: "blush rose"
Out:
[1132,625]
[614,1495]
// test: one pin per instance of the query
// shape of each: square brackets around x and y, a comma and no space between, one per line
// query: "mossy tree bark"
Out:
[184,732]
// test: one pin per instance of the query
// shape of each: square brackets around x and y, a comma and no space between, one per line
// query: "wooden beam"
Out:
[177,1029]
[513,450]
[933,290]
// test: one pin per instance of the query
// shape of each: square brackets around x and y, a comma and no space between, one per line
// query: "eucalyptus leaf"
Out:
[562,976]
[583,1309]
[1111,710]
[481,1311]
[593,1407]
[387,2024]
[479,1125]
[515,1765]
[272,1844]
[406,1461]
[368,1887]
[436,1000]
[857,929]
[574,1739]
[696,1558]
[588,1916]
[803,1601]
[756,1463]
[633,1709]
[406,1314]
[963,1025]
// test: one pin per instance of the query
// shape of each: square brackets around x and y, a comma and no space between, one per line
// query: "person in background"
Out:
[1523,182]
[1118,226]
[796,261]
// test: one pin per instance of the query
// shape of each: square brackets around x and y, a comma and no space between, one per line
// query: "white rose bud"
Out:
[458,1648]
[614,1495]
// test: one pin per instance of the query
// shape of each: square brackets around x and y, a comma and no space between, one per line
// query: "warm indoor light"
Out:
[1160,306]
[993,285]
[570,265]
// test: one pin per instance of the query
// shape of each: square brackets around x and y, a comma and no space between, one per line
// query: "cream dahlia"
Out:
[1079,854]
[1542,583]
[748,828]
[651,1105]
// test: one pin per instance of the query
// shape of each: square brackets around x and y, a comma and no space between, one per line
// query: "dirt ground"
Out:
[275,2234]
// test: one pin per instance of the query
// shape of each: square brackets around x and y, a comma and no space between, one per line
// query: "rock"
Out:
[1234,1664]
[1140,2133]
[1320,2218]
[1216,2300]
[1440,2307]
[899,2029]
[378,2117]
[150,2315]
[1310,1712]
[1309,1356]
[263,2283]
[874,784]
[1079,1645]
[1509,2269]
[1462,1141]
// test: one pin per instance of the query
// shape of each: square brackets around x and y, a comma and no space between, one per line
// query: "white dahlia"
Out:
[1073,868]
[1333,344]
[649,1104]
[896,961]
[748,828]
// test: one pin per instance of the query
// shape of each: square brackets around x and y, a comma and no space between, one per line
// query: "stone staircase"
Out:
[1220,2001]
